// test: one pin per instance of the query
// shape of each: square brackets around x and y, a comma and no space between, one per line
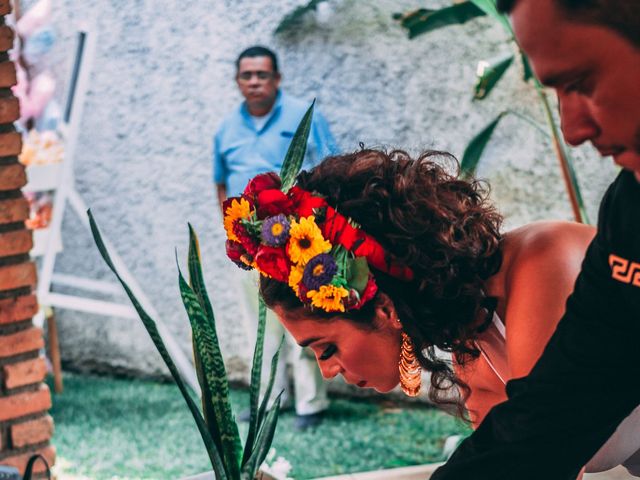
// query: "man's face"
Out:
[258,83]
[596,74]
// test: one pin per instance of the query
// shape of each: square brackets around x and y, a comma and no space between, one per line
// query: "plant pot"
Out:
[211,476]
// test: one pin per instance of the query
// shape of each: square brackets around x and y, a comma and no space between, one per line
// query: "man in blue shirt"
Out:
[254,139]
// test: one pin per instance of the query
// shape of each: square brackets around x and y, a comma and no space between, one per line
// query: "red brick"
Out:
[15,242]
[6,38]
[5,7]
[9,109]
[24,373]
[25,403]
[19,275]
[12,177]
[14,210]
[31,432]
[20,461]
[21,342]
[10,144]
[7,74]
[18,308]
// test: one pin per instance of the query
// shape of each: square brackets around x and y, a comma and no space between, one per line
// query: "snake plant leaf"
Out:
[426,20]
[196,282]
[293,18]
[489,7]
[257,414]
[297,149]
[476,146]
[150,325]
[263,442]
[489,74]
[267,392]
[215,376]
[256,377]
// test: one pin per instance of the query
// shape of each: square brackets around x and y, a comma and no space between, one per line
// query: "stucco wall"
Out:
[163,79]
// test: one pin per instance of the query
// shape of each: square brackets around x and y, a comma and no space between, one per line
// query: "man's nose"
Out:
[576,120]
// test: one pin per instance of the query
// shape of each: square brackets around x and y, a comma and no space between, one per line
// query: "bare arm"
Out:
[221,190]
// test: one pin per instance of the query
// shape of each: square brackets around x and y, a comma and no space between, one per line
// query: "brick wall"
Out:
[25,426]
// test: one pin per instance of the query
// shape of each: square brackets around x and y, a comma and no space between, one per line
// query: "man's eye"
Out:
[328,352]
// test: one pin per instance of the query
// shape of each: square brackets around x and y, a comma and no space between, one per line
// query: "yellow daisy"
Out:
[235,211]
[295,277]
[328,297]
[306,240]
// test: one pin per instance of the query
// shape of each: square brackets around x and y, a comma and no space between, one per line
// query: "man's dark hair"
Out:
[623,16]
[258,51]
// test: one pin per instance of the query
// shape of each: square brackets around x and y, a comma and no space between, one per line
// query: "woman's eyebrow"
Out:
[308,341]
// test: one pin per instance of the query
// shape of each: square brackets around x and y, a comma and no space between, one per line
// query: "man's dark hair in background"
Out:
[619,15]
[258,51]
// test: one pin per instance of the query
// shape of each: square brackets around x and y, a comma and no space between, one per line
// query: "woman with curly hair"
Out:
[377,261]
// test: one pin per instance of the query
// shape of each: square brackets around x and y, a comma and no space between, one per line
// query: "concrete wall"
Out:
[162,81]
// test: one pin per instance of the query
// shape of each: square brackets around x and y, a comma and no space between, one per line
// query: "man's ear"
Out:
[386,314]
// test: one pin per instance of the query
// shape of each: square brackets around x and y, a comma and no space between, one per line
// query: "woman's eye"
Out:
[330,350]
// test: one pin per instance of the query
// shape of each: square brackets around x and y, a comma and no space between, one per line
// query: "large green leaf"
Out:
[215,376]
[474,150]
[489,7]
[425,20]
[267,392]
[489,74]
[297,149]
[150,325]
[296,15]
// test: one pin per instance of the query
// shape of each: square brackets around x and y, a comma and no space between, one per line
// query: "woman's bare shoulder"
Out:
[549,243]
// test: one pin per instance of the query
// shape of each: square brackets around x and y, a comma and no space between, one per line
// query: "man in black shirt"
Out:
[588,378]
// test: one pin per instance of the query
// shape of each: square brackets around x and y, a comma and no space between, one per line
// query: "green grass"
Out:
[132,429]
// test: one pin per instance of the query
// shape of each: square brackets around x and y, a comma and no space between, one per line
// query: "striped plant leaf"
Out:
[256,377]
[297,149]
[196,281]
[267,392]
[215,376]
[150,325]
[257,414]
[263,442]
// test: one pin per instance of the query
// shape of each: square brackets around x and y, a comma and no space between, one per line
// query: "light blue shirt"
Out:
[240,151]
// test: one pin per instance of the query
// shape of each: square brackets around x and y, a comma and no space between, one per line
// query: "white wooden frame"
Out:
[66,193]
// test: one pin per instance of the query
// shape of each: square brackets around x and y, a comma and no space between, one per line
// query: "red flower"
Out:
[238,255]
[264,181]
[273,202]
[273,262]
[304,202]
[249,243]
[369,292]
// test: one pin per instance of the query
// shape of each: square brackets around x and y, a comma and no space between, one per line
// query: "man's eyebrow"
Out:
[556,79]
[308,341]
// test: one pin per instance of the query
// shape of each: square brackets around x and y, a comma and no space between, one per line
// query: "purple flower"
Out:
[319,271]
[275,231]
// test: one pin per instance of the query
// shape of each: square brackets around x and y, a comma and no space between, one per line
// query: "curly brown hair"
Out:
[441,226]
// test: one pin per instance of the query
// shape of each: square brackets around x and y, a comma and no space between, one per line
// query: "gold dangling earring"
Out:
[410,369]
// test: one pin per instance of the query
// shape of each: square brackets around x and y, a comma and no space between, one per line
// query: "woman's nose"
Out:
[329,369]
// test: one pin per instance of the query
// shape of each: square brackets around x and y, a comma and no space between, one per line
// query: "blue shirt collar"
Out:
[246,116]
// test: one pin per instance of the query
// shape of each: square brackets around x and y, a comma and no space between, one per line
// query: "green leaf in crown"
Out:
[297,149]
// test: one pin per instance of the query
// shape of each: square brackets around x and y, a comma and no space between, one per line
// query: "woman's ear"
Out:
[386,314]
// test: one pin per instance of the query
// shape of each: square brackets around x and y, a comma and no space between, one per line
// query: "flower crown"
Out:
[298,239]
